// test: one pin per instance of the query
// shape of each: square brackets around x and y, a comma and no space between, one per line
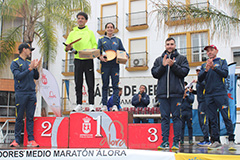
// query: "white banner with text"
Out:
[89,154]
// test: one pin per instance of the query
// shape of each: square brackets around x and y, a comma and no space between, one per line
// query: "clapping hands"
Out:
[167,61]
[34,64]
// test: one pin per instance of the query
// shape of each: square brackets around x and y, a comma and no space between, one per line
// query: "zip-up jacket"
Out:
[23,77]
[187,102]
[106,43]
[200,91]
[214,78]
[143,102]
[88,40]
[170,79]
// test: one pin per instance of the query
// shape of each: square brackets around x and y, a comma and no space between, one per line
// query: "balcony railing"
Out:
[7,111]
[198,54]
[176,15]
[137,18]
[67,65]
[138,59]
[102,21]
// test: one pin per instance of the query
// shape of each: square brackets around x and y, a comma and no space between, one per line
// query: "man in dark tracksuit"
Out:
[170,70]
[202,116]
[24,72]
[140,100]
[186,114]
[216,97]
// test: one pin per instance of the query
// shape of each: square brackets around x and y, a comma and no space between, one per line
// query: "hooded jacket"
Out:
[214,78]
[88,40]
[170,79]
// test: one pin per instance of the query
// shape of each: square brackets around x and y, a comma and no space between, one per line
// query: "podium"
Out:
[97,130]
[49,131]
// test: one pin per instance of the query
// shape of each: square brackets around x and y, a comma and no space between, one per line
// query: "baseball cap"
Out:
[25,45]
[198,68]
[212,46]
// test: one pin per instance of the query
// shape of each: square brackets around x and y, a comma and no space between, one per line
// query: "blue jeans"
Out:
[25,102]
[108,71]
[167,106]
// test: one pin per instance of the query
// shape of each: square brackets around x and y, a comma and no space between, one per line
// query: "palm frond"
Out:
[47,39]
[65,7]
[40,18]
[8,42]
[10,8]
[220,21]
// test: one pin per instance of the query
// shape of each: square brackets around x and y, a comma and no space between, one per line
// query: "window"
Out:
[199,41]
[181,43]
[71,62]
[234,10]
[175,16]
[3,98]
[138,54]
[236,55]
[137,16]
[199,3]
[191,45]
[178,18]
[109,13]
[11,24]
[7,104]
[68,64]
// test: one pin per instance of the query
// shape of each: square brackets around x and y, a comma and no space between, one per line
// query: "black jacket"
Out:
[170,79]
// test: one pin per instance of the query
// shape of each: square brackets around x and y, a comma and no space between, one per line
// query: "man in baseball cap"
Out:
[211,46]
[24,45]
[198,68]
[25,73]
[216,98]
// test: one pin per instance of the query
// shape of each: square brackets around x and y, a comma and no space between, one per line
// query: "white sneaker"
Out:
[114,108]
[216,144]
[104,108]
[231,146]
[78,108]
[92,108]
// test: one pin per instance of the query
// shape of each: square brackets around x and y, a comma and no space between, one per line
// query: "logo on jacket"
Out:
[44,79]
[178,104]
[202,112]
[224,107]
[114,43]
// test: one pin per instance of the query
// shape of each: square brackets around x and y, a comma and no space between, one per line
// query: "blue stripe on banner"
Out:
[67,87]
